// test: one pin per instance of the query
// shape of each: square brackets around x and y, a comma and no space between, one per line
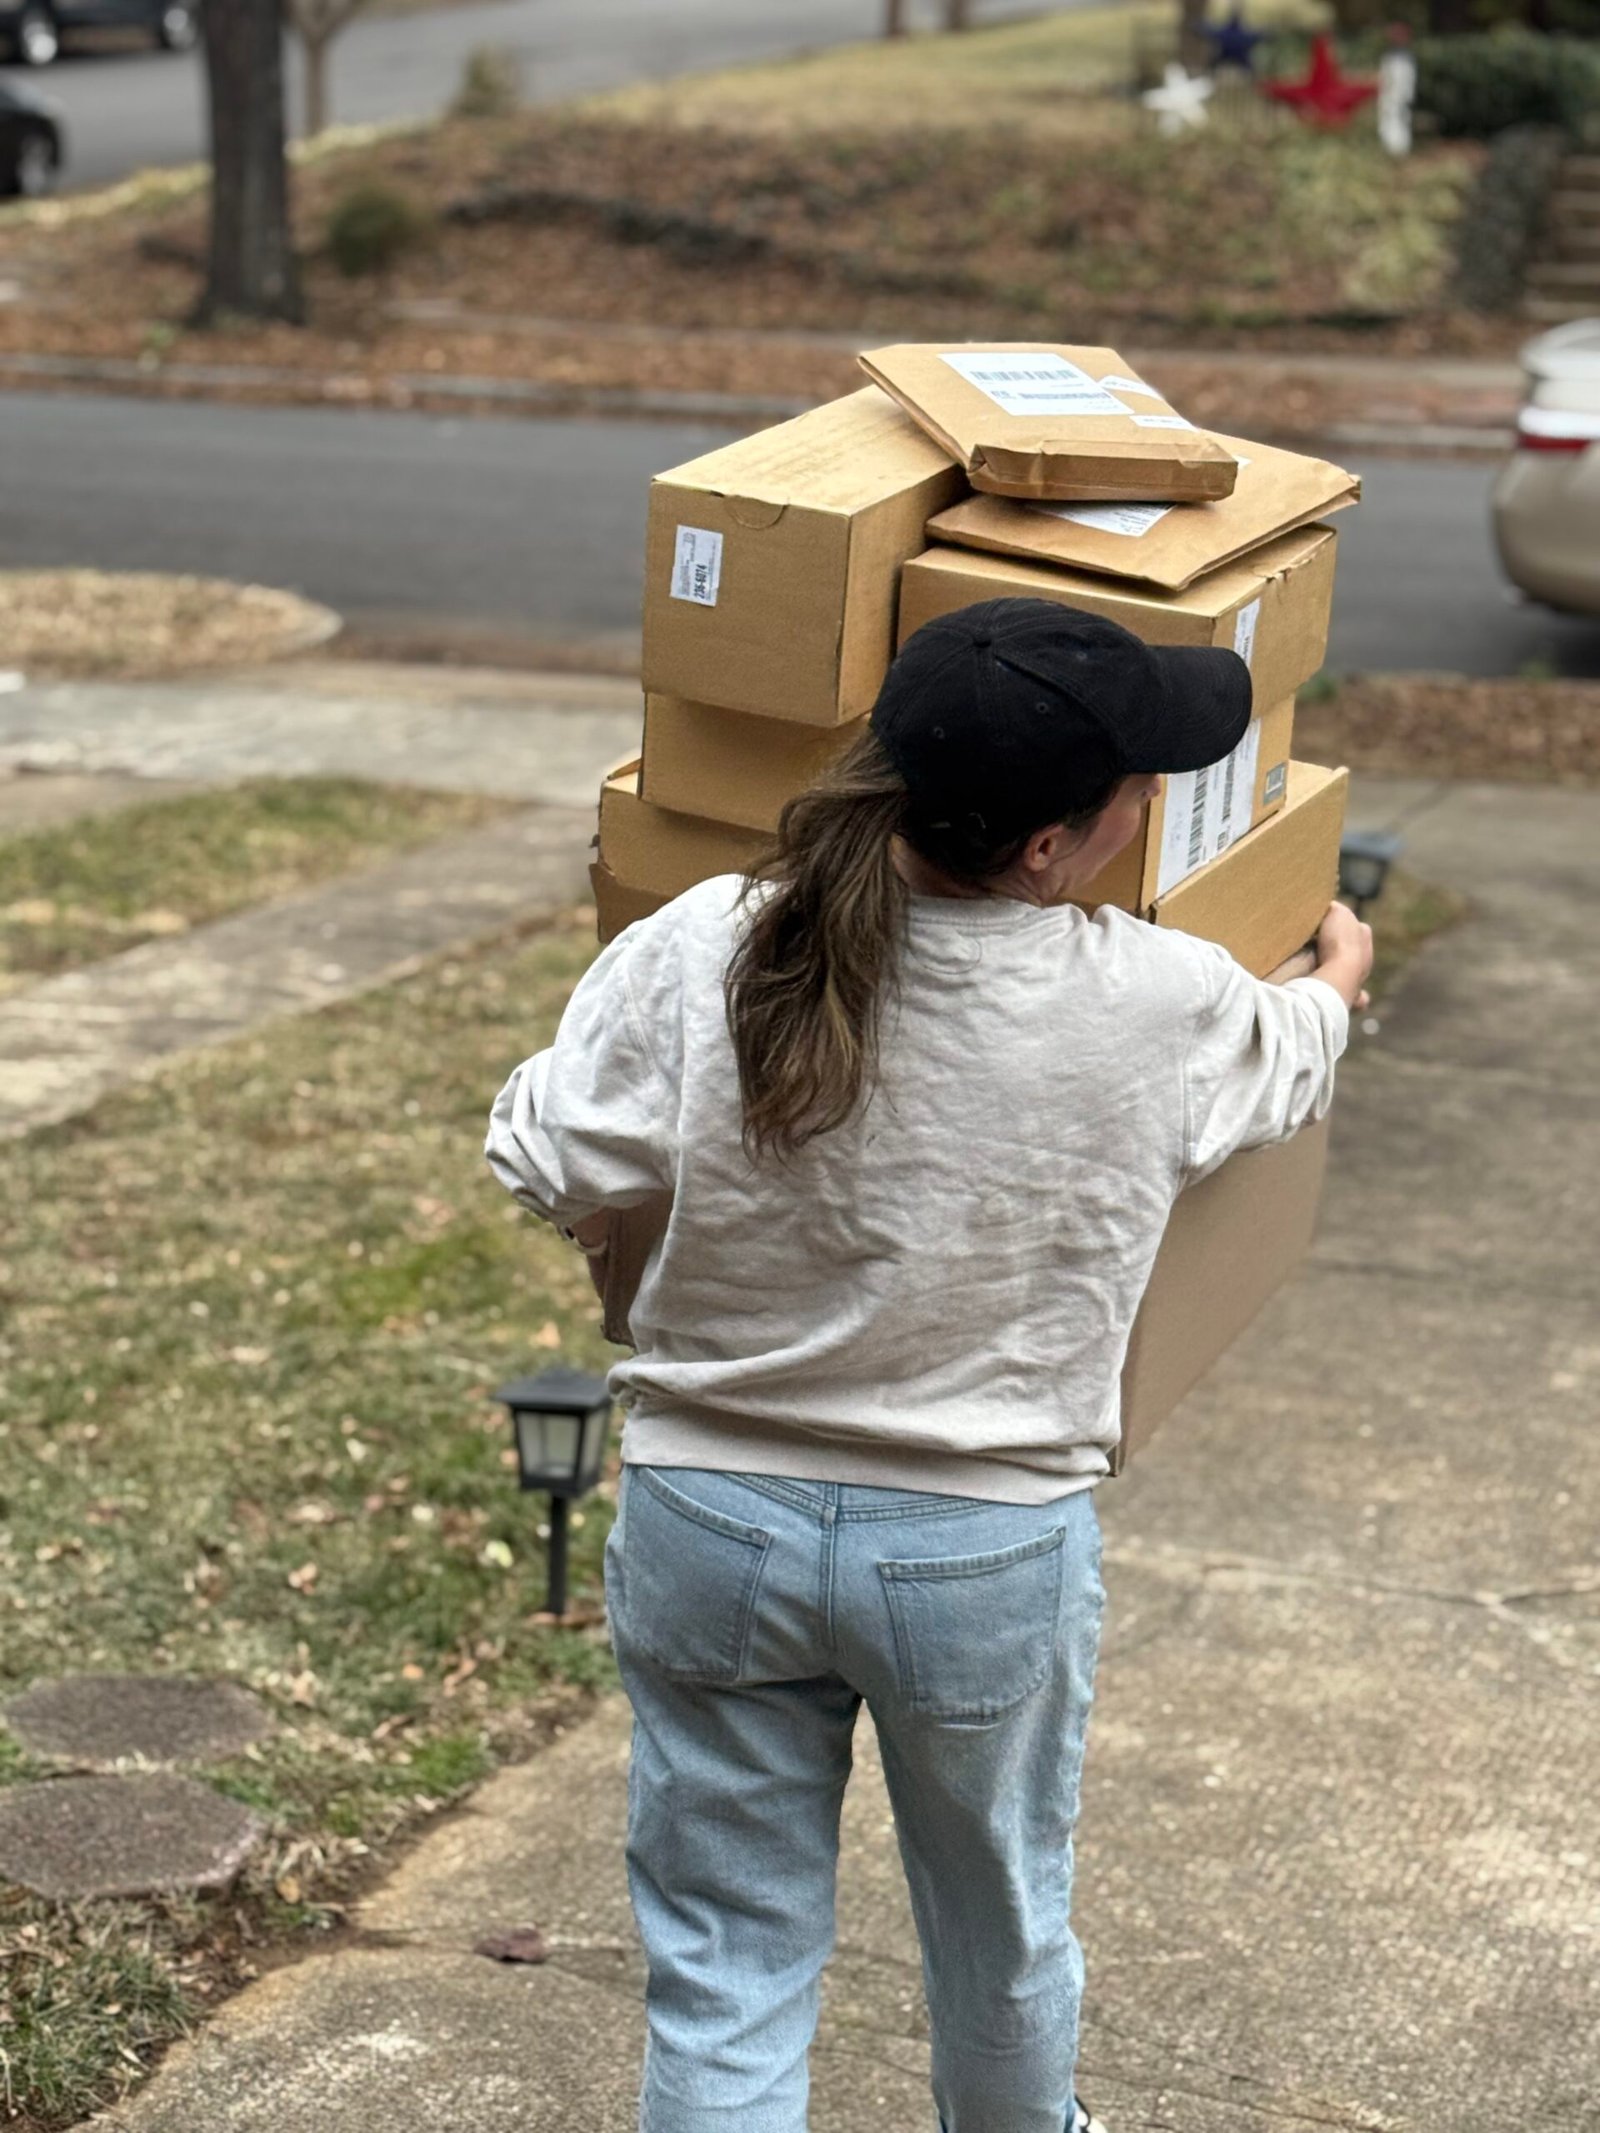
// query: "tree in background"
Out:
[957,16]
[318,23]
[252,270]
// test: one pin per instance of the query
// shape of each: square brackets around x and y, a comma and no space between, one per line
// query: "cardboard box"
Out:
[1272,607]
[616,905]
[1232,1241]
[1165,545]
[1266,897]
[653,850]
[772,566]
[733,766]
[1199,815]
[1031,418]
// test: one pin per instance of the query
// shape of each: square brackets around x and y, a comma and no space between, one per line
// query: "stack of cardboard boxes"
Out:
[783,570]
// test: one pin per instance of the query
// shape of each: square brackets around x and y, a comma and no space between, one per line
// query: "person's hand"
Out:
[1344,954]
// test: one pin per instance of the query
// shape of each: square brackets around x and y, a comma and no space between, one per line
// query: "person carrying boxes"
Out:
[921,1121]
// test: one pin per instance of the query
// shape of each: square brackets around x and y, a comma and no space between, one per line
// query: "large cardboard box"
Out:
[1232,1241]
[733,766]
[772,566]
[650,851]
[1165,545]
[1272,607]
[1266,896]
[1200,814]
[1031,418]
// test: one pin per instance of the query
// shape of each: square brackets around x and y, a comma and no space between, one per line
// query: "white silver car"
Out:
[1547,499]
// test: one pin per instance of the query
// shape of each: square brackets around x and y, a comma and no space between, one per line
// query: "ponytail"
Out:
[806,985]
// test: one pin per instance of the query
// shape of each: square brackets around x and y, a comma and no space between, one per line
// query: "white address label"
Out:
[1207,810]
[1163,422]
[1244,631]
[1131,521]
[1023,384]
[697,565]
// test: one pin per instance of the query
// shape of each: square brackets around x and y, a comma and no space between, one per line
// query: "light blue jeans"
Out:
[752,1617]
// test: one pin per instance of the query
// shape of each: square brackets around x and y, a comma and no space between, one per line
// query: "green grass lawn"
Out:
[88,889]
[252,1315]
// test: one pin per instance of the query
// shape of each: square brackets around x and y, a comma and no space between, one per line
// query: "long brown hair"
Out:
[820,952]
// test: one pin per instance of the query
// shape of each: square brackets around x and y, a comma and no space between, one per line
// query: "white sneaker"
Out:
[1084,2120]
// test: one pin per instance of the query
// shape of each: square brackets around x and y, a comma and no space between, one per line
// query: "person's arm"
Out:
[588,1126]
[1262,1058]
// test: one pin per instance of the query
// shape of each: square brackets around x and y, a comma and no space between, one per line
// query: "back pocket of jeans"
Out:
[974,1634]
[688,1578]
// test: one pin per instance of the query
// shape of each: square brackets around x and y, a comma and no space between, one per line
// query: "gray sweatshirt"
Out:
[937,1295]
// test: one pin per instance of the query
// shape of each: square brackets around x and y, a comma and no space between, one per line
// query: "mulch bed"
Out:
[1442,726]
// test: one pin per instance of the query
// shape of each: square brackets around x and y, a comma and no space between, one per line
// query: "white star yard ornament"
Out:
[1180,102]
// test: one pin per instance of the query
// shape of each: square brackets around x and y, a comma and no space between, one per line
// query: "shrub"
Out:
[371,226]
[491,84]
[1477,86]
[1501,221]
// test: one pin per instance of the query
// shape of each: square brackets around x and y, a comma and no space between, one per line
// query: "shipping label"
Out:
[1116,384]
[1022,384]
[1163,422]
[697,566]
[1207,811]
[1244,631]
[1131,521]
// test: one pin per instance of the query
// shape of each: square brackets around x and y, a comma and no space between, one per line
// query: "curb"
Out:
[427,392]
[204,379]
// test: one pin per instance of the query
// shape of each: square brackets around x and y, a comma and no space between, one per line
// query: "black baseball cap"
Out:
[1013,714]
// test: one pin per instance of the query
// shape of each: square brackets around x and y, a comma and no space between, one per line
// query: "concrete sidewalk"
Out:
[1339,1864]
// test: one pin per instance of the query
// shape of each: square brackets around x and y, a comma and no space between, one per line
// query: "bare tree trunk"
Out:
[318,23]
[1194,47]
[894,18]
[253,270]
[958,14]
[316,50]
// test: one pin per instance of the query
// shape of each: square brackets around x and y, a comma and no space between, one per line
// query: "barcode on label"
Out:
[697,565]
[1229,776]
[1197,818]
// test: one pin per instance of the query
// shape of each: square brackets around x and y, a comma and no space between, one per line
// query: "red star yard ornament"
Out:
[1326,97]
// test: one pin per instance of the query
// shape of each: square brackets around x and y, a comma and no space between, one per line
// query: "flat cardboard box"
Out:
[1232,1241]
[1272,606]
[1165,545]
[732,766]
[1266,896]
[772,566]
[1035,419]
[658,852]
[1199,815]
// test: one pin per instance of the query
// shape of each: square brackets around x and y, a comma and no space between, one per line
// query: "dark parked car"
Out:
[33,29]
[31,145]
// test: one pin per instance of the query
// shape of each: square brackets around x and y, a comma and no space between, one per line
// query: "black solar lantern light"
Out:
[1365,857]
[561,1419]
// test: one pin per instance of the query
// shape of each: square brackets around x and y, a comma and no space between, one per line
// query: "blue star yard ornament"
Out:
[1180,102]
[1233,43]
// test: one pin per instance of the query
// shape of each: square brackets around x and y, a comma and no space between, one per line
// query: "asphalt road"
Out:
[535,528]
[129,109]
